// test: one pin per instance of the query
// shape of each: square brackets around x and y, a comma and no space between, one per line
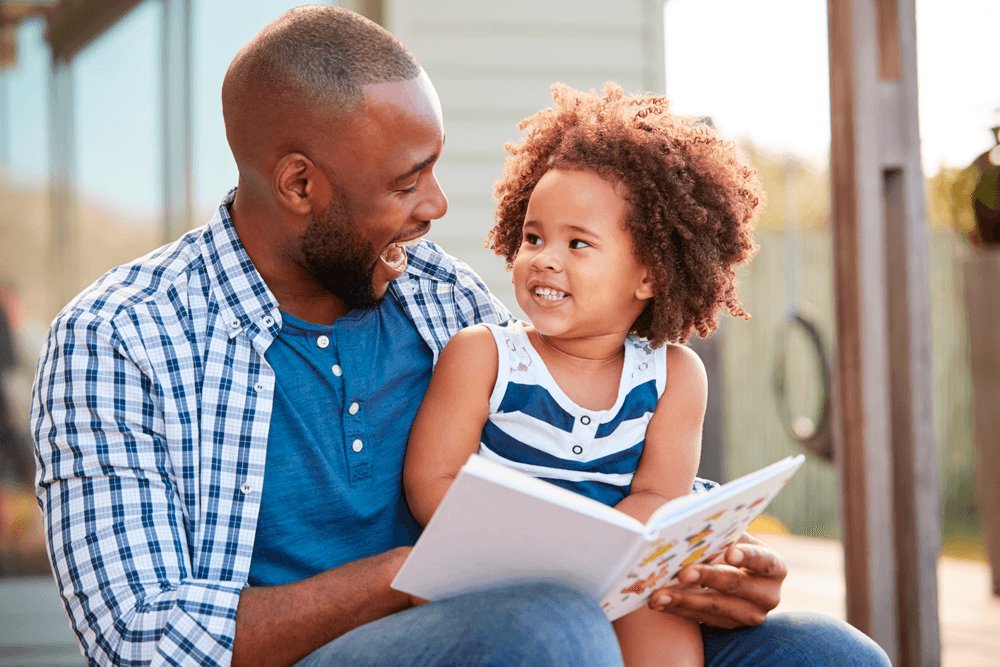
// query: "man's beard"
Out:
[339,258]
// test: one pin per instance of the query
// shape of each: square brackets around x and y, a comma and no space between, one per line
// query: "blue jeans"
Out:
[793,638]
[551,625]
[520,625]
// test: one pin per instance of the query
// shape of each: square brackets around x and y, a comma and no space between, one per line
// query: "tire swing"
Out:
[813,433]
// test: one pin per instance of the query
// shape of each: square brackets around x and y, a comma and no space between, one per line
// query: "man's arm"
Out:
[110,490]
[734,591]
[282,624]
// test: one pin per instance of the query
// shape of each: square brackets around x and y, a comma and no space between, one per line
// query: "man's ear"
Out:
[645,288]
[295,182]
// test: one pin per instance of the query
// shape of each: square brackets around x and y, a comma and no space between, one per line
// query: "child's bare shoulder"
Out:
[684,367]
[477,334]
[470,342]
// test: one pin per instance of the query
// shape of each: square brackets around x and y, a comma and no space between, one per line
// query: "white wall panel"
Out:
[493,64]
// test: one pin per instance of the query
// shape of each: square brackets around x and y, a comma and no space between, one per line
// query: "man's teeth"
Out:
[549,294]
[394,257]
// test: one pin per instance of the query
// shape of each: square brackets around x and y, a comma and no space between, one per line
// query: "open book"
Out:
[497,526]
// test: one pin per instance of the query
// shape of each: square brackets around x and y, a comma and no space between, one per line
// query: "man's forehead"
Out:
[416,96]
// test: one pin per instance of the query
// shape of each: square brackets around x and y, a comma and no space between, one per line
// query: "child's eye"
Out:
[533,239]
[577,244]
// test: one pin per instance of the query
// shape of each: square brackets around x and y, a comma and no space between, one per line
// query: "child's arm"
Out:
[670,457]
[450,421]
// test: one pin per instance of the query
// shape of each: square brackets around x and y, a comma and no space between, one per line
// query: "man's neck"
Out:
[295,290]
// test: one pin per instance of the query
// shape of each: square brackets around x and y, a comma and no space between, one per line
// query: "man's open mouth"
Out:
[394,256]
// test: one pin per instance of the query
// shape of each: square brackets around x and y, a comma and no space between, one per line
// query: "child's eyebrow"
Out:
[582,230]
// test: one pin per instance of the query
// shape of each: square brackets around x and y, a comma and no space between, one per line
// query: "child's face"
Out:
[575,274]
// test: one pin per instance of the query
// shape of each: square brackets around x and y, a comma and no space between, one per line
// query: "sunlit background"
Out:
[757,69]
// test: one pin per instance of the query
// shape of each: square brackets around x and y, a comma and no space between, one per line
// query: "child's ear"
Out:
[645,289]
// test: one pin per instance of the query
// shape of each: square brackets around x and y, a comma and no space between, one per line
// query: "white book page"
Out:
[482,467]
[694,529]
[678,508]
[496,530]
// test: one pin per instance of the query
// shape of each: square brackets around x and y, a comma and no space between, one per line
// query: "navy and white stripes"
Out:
[535,427]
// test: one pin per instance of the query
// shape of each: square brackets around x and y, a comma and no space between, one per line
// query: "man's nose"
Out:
[435,205]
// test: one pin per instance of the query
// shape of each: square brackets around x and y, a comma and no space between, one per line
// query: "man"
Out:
[295,334]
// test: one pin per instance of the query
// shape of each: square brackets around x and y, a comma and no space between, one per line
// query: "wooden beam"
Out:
[917,510]
[883,373]
[74,24]
[15,11]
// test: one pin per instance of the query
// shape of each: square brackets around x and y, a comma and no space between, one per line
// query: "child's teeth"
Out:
[549,294]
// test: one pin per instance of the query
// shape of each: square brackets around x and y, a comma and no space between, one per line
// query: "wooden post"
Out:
[982,276]
[63,233]
[713,433]
[176,104]
[883,395]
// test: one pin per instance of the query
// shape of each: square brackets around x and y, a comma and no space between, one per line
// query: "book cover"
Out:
[497,526]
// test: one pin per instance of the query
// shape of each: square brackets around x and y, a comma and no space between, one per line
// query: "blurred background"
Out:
[112,143]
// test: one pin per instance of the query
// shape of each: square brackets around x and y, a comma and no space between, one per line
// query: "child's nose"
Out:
[546,260]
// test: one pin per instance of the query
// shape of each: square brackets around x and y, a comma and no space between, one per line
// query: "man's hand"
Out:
[737,589]
[279,625]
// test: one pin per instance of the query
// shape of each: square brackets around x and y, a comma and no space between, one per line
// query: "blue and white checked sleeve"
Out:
[472,295]
[115,524]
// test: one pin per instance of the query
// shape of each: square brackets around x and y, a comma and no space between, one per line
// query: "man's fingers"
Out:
[731,581]
[760,560]
[707,606]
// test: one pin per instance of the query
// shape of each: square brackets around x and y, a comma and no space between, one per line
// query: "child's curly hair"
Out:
[692,197]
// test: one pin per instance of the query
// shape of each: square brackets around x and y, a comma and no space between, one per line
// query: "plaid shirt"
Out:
[151,412]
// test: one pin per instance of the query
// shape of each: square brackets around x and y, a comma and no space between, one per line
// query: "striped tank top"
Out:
[534,427]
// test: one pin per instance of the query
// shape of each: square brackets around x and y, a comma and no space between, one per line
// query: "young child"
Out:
[623,226]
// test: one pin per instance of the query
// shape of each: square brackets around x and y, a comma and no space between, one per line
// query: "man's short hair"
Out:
[326,55]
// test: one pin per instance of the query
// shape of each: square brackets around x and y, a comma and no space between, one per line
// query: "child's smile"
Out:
[548,295]
[576,275]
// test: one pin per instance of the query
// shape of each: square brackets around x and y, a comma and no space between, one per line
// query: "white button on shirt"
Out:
[358,446]
[354,408]
[323,342]
[337,370]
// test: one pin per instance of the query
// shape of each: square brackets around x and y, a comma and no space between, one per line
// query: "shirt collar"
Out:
[428,261]
[241,293]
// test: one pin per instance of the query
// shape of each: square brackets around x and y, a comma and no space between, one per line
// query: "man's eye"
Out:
[411,189]
[577,244]
[532,239]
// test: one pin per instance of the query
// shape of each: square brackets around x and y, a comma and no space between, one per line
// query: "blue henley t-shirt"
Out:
[345,398]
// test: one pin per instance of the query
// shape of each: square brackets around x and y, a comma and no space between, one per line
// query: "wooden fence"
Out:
[754,432]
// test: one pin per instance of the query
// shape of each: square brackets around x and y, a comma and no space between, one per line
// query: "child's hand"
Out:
[735,591]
